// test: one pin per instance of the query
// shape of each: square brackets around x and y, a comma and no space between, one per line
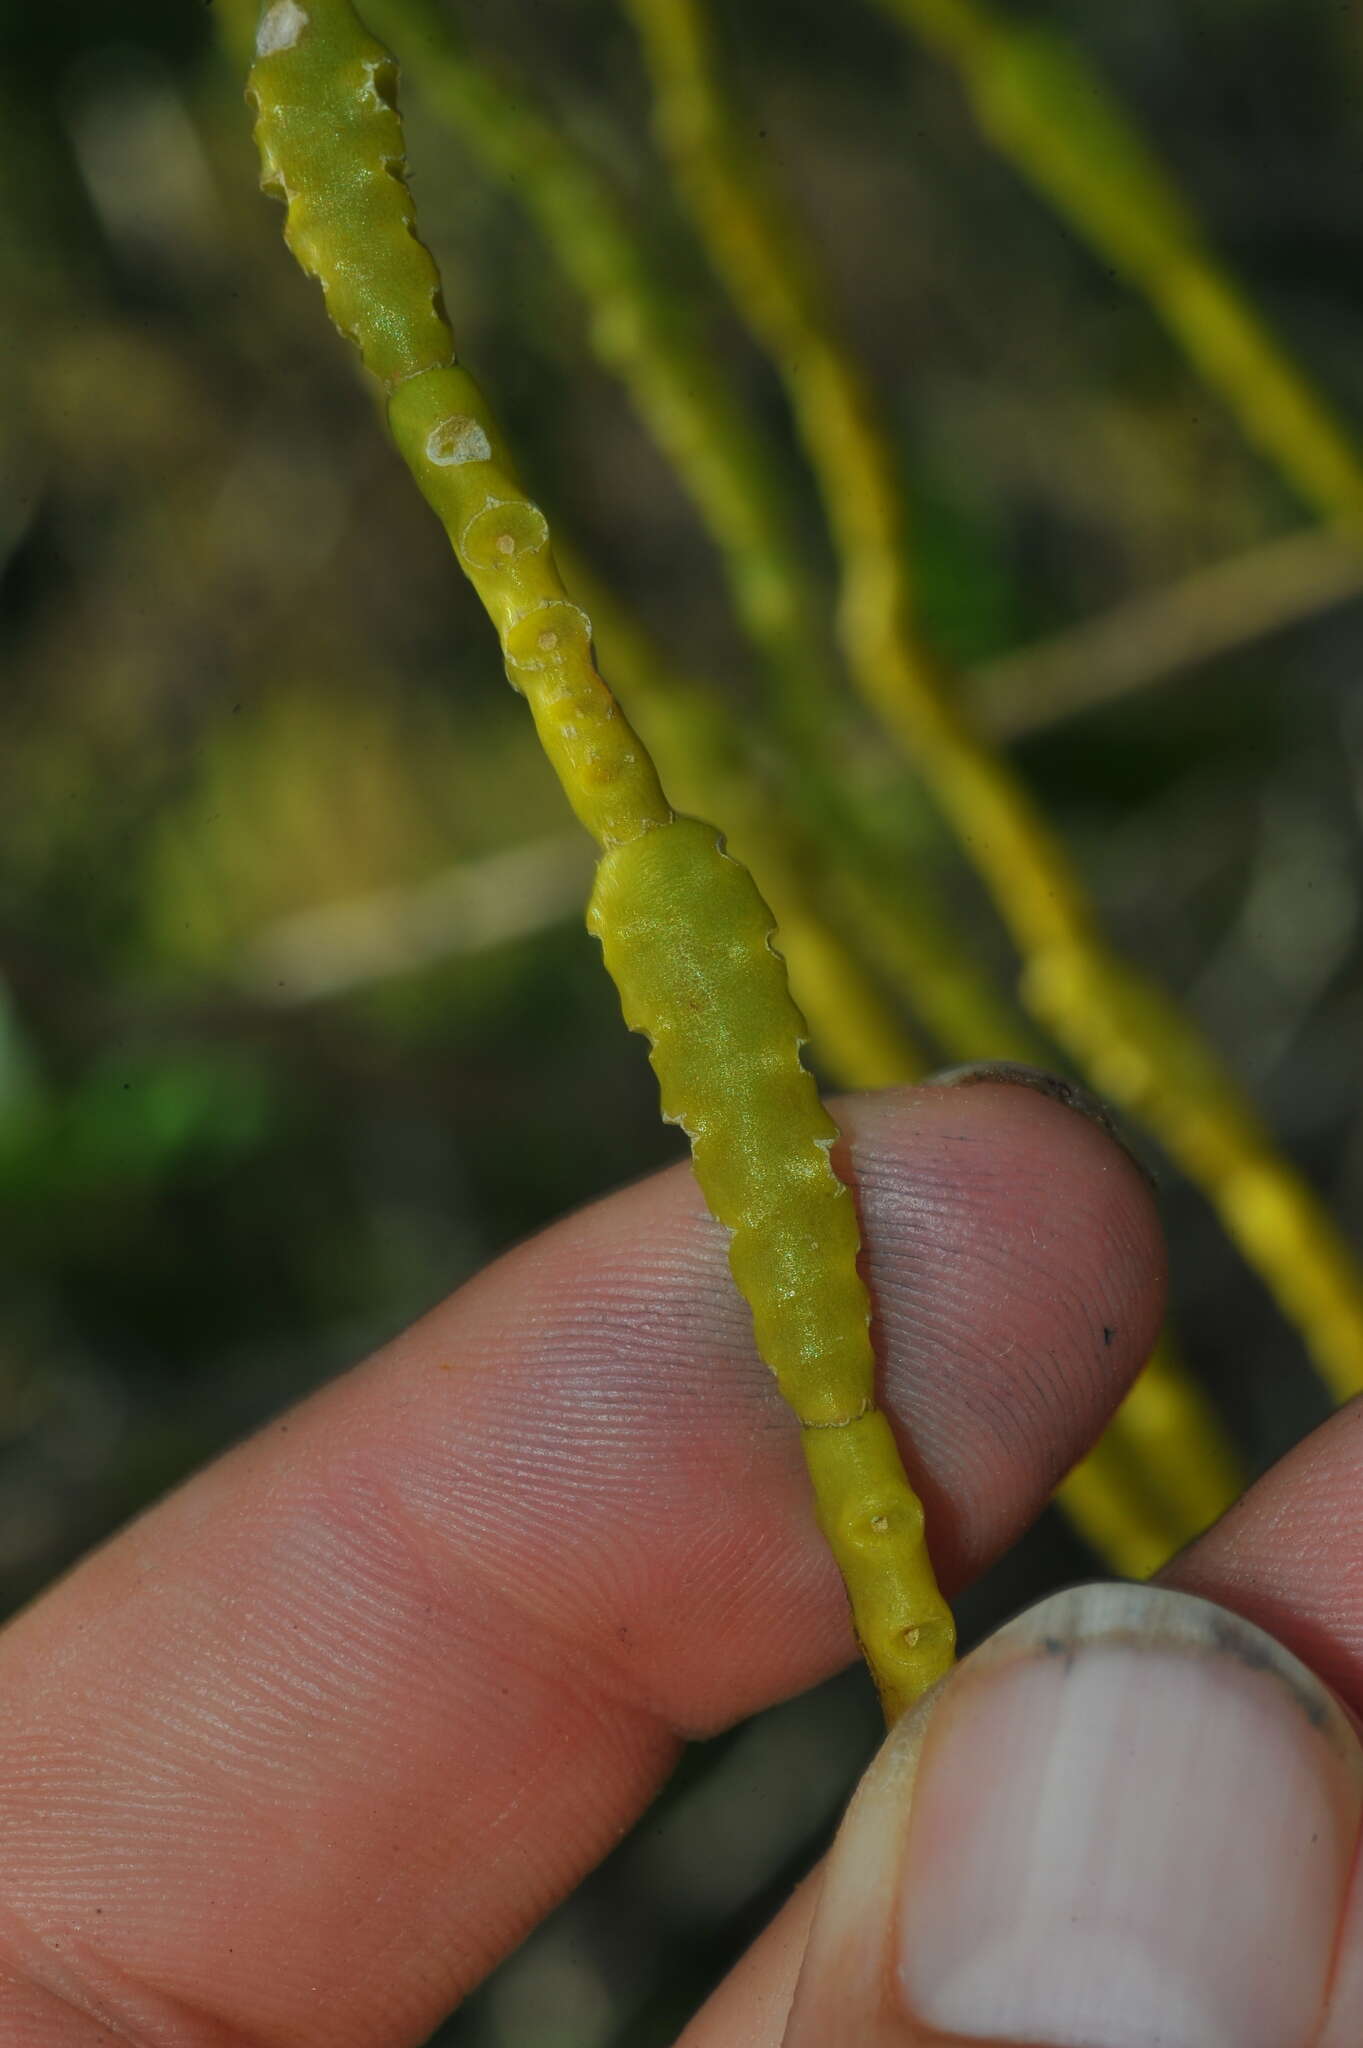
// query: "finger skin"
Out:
[752,2005]
[310,1746]
[1288,1554]
[1287,1557]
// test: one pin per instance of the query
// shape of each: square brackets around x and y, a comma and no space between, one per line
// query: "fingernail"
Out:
[1132,1823]
[1072,1094]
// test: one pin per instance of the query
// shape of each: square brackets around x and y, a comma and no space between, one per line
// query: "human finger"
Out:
[310,1746]
[1128,1820]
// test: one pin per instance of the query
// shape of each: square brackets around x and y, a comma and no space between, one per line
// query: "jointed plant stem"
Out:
[684,932]
[1164,1469]
[856,1031]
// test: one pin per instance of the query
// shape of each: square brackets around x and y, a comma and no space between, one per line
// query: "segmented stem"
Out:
[1130,1039]
[1164,1468]
[685,933]
[1121,1507]
[709,764]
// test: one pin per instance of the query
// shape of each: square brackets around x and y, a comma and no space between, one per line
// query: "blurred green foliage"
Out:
[246,693]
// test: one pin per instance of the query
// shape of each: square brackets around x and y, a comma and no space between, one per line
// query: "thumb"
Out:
[1129,1820]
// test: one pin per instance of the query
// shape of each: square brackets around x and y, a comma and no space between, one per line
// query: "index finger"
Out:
[304,1750]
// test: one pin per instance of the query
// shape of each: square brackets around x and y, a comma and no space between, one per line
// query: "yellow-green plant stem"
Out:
[855,1029]
[684,932]
[969,1014]
[861,1040]
[1111,1499]
[643,331]
[1161,1473]
[1163,1470]
[1164,1445]
[711,760]
[1127,1036]
[682,395]
[864,1044]
[1047,109]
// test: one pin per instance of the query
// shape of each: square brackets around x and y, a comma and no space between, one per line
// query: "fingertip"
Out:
[566,1516]
[1129,1817]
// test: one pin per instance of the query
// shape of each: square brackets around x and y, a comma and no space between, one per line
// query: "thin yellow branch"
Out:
[684,932]
[1047,109]
[704,750]
[1160,634]
[1164,1470]
[1129,1038]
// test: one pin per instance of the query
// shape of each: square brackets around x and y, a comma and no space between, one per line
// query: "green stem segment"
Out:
[685,933]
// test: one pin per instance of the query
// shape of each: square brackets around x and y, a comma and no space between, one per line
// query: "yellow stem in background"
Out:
[1132,1042]
[1161,1473]
[1143,641]
[1050,113]
[857,1033]
[1170,1431]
